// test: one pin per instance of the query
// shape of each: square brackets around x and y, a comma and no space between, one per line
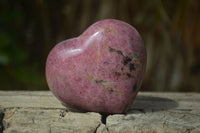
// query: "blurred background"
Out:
[170,29]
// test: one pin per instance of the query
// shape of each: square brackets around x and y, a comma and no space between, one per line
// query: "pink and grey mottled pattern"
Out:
[101,70]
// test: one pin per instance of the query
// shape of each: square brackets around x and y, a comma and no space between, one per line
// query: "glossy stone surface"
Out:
[101,70]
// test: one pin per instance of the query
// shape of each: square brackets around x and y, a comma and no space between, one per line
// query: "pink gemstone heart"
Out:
[101,70]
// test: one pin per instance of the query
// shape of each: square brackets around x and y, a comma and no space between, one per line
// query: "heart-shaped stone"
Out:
[101,70]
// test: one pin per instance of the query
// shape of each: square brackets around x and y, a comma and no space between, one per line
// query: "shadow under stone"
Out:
[144,104]
[141,104]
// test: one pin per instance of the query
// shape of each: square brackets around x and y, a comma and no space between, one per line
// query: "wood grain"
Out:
[40,111]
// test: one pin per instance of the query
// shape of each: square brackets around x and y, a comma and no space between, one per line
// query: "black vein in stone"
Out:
[135,87]
[127,60]
[131,67]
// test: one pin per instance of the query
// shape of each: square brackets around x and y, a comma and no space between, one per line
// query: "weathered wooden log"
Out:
[40,111]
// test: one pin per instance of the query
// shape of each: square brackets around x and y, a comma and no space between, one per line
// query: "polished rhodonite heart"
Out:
[101,70]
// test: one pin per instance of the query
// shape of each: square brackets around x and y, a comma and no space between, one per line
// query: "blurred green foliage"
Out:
[170,30]
[16,71]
